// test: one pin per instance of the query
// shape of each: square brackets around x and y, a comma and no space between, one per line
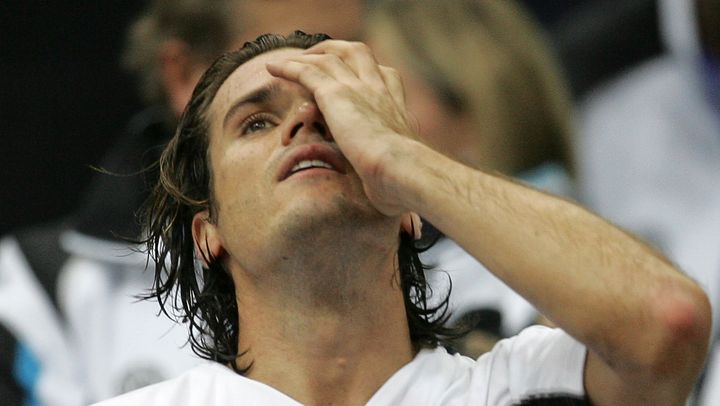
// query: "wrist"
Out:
[425,177]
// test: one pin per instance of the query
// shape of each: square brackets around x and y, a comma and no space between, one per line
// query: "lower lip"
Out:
[312,172]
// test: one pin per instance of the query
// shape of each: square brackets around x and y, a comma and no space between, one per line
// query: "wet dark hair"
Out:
[205,297]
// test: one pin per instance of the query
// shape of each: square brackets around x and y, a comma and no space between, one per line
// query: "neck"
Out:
[326,329]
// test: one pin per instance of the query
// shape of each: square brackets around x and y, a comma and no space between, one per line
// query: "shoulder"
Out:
[207,384]
[177,391]
[538,364]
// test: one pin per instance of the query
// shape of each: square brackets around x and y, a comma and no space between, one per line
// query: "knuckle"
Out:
[360,47]
[391,72]
[331,59]
[339,46]
[305,70]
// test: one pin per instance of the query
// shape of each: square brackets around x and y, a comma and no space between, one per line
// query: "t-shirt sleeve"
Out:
[537,366]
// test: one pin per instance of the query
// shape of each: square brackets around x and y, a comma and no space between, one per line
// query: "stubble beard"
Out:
[326,256]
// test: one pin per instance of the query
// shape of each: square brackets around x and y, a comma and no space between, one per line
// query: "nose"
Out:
[308,121]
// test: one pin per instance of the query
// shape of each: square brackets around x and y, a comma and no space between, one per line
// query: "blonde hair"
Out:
[207,27]
[486,58]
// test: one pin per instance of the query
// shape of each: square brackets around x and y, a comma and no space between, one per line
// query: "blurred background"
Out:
[65,99]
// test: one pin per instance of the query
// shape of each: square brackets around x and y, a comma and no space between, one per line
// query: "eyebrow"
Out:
[261,95]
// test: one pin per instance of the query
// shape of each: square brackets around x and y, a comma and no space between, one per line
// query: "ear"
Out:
[178,73]
[207,239]
[410,223]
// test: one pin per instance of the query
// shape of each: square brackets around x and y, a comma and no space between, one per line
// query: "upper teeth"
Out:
[310,163]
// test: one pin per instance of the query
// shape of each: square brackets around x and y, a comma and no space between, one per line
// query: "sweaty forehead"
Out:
[248,77]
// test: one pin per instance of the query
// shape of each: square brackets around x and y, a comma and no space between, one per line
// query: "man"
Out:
[295,180]
[71,329]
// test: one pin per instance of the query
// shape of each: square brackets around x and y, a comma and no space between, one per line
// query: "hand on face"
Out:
[364,107]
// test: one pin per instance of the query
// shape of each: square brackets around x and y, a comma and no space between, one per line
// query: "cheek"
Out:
[237,186]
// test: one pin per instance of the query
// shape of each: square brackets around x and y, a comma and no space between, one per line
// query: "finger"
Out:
[394,84]
[326,90]
[330,64]
[308,75]
[356,55]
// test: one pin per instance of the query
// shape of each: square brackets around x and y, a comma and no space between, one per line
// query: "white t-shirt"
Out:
[539,363]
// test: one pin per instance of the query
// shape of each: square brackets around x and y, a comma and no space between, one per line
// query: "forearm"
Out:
[644,320]
[612,292]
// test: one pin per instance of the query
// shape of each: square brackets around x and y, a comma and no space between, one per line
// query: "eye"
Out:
[255,123]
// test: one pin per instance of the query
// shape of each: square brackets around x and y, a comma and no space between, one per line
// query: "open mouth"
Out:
[309,164]
[312,156]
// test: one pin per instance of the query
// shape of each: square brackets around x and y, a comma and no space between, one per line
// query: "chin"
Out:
[327,215]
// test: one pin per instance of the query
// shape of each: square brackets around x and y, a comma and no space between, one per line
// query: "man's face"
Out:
[277,175]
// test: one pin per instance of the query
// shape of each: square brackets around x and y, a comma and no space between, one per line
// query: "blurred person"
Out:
[296,183]
[71,328]
[343,18]
[650,146]
[485,90]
